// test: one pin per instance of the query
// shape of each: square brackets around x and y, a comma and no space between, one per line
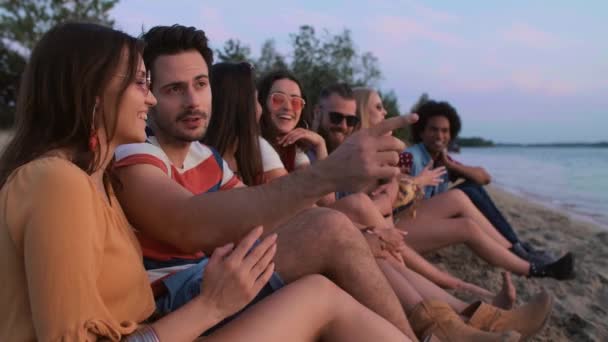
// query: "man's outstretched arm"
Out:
[166,211]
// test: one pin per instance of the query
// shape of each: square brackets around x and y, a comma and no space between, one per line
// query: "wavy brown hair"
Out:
[66,76]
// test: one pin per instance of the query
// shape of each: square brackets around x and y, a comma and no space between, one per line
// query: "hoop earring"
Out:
[93,138]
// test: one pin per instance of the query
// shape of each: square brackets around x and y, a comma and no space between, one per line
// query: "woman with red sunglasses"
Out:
[283,120]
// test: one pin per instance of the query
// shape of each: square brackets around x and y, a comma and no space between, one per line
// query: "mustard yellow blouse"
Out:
[70,266]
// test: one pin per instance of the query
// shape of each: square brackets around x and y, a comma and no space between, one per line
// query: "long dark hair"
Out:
[264,86]
[233,120]
[68,70]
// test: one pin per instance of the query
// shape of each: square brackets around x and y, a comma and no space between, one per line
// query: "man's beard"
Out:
[170,128]
[329,137]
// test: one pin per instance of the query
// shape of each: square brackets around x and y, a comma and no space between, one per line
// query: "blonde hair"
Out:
[362,96]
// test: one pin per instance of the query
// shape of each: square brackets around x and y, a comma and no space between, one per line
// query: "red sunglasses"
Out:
[278,100]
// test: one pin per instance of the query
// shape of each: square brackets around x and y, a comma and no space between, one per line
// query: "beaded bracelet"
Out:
[144,334]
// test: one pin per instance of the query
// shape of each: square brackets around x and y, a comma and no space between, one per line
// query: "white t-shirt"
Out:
[301,158]
[272,161]
[270,157]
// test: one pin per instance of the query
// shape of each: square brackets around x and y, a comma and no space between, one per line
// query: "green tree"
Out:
[234,51]
[391,104]
[270,59]
[22,24]
[11,64]
[421,100]
[319,61]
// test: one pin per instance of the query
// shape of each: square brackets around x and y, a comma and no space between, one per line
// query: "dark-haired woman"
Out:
[71,266]
[283,121]
[234,130]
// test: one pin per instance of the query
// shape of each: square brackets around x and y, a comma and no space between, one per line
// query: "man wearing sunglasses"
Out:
[335,115]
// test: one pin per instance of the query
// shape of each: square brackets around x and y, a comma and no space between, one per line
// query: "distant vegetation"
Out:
[572,144]
[481,142]
[474,142]
[22,23]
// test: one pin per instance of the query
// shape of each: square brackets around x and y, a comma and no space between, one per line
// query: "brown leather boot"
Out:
[527,319]
[438,318]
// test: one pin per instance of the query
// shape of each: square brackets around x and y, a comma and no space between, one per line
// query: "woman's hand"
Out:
[376,245]
[386,242]
[307,137]
[430,177]
[234,277]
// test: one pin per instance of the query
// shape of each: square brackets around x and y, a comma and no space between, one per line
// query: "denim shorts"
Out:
[185,285]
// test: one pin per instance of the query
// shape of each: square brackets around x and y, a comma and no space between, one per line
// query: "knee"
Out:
[334,230]
[459,195]
[322,286]
[355,205]
[470,227]
[360,201]
[324,294]
[462,198]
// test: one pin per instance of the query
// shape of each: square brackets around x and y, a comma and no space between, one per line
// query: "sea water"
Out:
[571,179]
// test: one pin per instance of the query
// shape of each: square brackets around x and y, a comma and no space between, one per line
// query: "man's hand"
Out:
[367,155]
[444,159]
[234,277]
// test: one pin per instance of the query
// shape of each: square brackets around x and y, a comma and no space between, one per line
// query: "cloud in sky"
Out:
[530,37]
[516,55]
[403,30]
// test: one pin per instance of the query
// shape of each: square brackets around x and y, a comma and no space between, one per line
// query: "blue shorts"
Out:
[184,285]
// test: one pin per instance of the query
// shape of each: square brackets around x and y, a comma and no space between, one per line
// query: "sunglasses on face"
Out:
[278,100]
[336,118]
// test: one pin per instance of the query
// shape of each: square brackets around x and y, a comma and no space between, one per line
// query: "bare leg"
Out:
[427,289]
[420,265]
[309,309]
[426,235]
[326,242]
[455,203]
[360,209]
[506,297]
[407,294]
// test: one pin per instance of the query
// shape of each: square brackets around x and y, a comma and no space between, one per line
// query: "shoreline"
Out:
[545,175]
[569,210]
[580,312]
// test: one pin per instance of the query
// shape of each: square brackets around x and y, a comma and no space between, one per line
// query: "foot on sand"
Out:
[561,269]
[507,295]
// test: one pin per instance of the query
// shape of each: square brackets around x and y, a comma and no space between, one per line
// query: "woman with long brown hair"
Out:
[72,269]
[234,130]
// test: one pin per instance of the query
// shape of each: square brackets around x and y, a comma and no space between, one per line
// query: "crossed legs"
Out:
[428,234]
[455,203]
[326,242]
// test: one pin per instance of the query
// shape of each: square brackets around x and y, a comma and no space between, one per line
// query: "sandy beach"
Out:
[581,305]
